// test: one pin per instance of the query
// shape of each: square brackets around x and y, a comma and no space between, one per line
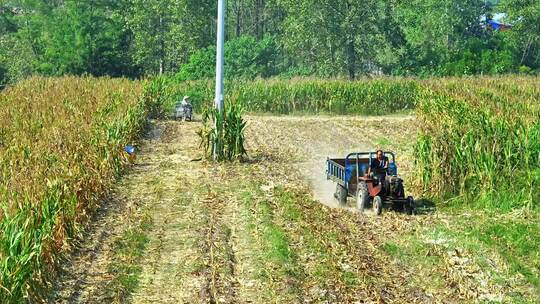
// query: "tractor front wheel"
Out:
[362,196]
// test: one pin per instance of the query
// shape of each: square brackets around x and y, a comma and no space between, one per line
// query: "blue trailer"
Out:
[377,189]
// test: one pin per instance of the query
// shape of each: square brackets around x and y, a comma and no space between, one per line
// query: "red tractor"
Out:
[356,177]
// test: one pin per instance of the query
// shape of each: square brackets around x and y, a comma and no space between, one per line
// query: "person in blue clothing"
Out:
[379,166]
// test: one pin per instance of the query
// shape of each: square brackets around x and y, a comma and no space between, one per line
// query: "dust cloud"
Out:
[322,189]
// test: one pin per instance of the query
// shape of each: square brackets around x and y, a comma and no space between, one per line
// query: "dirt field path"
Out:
[182,231]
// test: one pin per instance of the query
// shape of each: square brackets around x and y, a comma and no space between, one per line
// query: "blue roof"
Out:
[495,25]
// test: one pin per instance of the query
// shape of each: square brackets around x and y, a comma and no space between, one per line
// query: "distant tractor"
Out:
[375,188]
[184,110]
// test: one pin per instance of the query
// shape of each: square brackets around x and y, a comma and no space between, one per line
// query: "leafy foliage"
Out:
[436,29]
[266,38]
[245,57]
[525,35]
[222,134]
[165,32]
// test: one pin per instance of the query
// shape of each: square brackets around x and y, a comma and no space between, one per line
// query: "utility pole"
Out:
[219,66]
[220,55]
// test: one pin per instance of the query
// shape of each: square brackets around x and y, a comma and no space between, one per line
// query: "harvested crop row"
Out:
[61,146]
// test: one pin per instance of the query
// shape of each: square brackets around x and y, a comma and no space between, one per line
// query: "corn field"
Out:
[61,144]
[369,97]
[480,138]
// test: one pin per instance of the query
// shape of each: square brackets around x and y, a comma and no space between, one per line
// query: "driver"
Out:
[379,166]
[185,101]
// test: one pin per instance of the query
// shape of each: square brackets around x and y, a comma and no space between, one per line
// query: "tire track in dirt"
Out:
[459,279]
[221,283]
[358,245]
[337,250]
[252,232]
[191,253]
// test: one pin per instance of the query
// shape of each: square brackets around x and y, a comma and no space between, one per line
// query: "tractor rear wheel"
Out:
[377,205]
[362,196]
[341,195]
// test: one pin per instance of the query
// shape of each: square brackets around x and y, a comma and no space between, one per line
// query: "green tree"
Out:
[298,37]
[15,56]
[257,18]
[436,29]
[19,37]
[85,37]
[166,32]
[61,37]
[333,36]
[245,57]
[525,33]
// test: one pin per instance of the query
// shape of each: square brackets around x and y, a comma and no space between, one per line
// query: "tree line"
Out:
[324,38]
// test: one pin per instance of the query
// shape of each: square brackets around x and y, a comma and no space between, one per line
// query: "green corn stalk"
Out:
[222,135]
